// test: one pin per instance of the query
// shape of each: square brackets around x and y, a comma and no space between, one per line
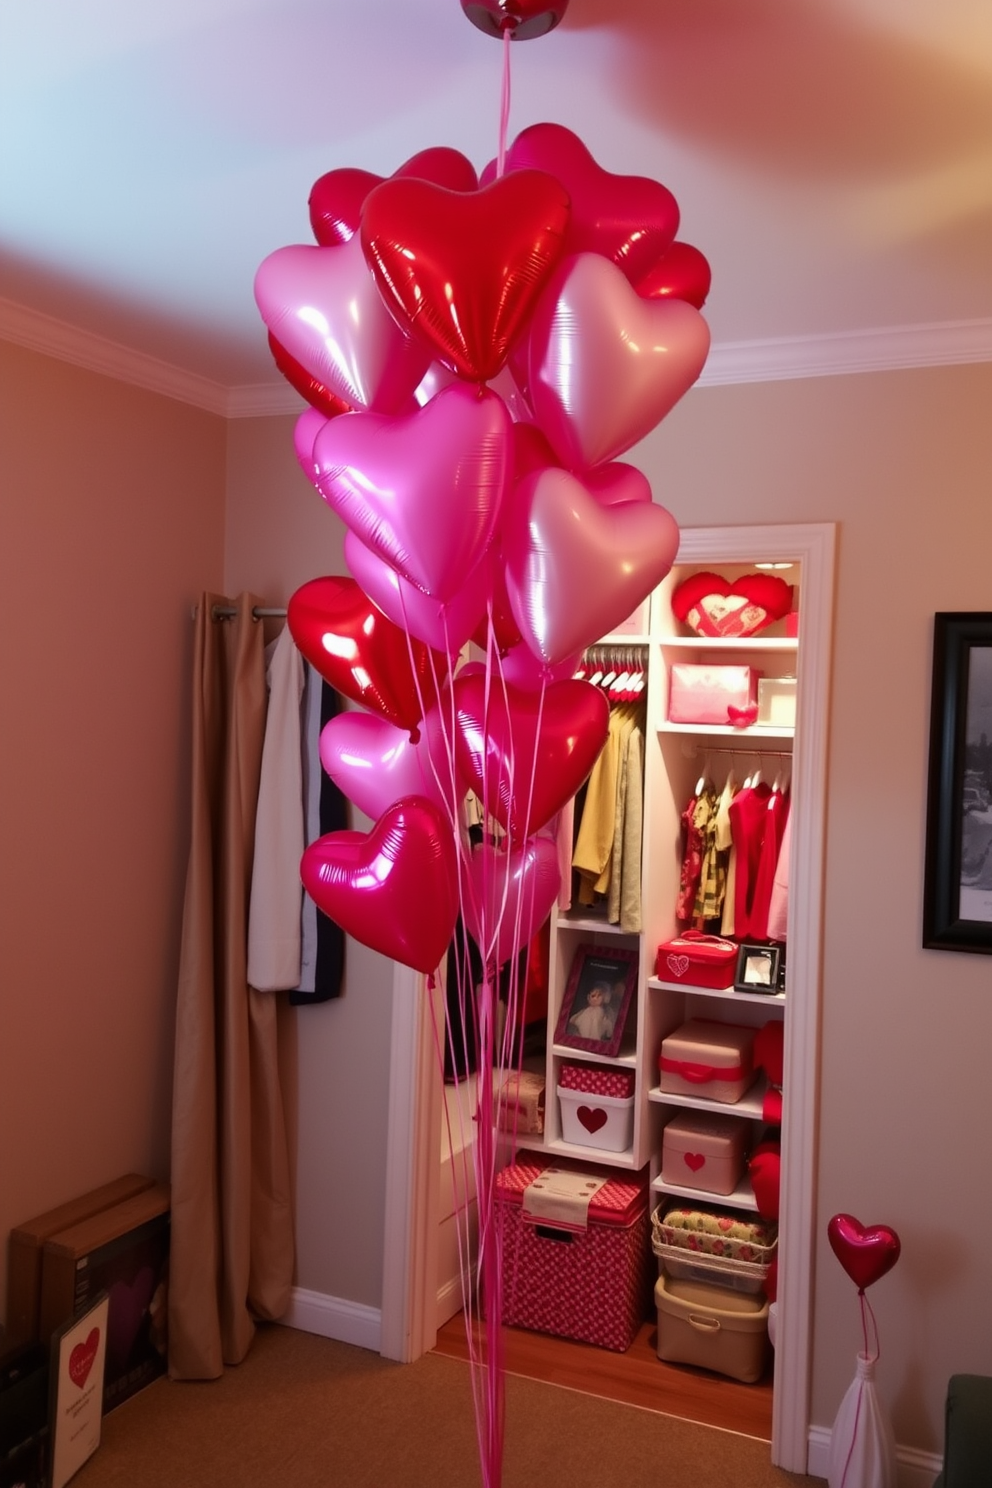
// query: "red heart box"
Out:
[714,606]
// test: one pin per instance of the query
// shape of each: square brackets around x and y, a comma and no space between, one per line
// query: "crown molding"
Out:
[886,349]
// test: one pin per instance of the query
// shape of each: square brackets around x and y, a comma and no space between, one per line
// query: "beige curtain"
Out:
[232,1220]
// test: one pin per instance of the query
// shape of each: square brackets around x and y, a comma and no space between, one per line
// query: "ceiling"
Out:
[831,158]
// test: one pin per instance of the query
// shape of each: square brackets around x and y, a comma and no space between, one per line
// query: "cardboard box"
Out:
[709,1059]
[125,1252]
[26,1244]
[705,1150]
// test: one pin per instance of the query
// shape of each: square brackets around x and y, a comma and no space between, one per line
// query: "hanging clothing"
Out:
[624,894]
[747,819]
[776,819]
[725,847]
[708,902]
[778,909]
[323,940]
[594,839]
[692,863]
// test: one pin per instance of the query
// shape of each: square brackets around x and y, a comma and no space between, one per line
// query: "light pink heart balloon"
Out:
[605,366]
[395,888]
[615,483]
[424,490]
[521,668]
[305,431]
[375,764]
[445,627]
[323,306]
[509,895]
[439,376]
[576,569]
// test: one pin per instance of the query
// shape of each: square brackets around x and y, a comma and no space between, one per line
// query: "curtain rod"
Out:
[259,612]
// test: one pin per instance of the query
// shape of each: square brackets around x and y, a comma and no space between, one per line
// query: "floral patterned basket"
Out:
[710,1232]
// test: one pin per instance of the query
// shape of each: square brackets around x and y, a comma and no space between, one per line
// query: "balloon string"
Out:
[866,1313]
[504,106]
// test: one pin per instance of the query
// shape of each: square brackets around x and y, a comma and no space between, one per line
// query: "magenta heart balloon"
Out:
[865,1252]
[337,198]
[521,773]
[439,376]
[508,896]
[521,668]
[305,431]
[448,625]
[630,220]
[395,888]
[322,305]
[604,365]
[376,764]
[576,569]
[424,490]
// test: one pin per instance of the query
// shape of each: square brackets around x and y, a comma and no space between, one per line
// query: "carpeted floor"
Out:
[306,1412]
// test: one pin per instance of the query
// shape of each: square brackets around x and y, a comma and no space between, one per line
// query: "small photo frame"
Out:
[79,1353]
[597,1000]
[758,968]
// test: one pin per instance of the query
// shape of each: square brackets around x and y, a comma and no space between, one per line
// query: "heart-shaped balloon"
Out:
[376,764]
[604,365]
[361,653]
[443,626]
[576,569]
[865,1252]
[521,668]
[395,888]
[497,625]
[439,376]
[508,896]
[521,774]
[462,270]
[318,396]
[682,273]
[305,431]
[616,483]
[424,490]
[630,220]
[337,198]
[322,306]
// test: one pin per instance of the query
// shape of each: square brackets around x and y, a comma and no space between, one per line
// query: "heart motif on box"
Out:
[714,606]
[83,1357]
[865,1251]
[592,1118]
[678,965]
[694,1161]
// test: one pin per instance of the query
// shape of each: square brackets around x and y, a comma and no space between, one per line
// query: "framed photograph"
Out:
[758,968]
[957,885]
[79,1352]
[597,999]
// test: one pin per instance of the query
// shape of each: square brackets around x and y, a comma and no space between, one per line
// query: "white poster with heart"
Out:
[79,1353]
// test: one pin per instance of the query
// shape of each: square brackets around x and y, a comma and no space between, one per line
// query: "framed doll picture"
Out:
[597,1000]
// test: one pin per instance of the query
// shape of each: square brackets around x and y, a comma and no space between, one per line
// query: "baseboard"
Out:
[333,1317]
[913,1469]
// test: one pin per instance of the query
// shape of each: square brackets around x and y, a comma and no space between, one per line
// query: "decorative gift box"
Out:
[705,1150]
[697,960]
[597,1079]
[575,1252]
[712,1327]
[723,695]
[710,1059]
[777,702]
[597,1106]
[519,1102]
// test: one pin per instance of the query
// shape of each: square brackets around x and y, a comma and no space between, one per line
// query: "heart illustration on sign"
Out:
[82,1358]
[592,1118]
[678,965]
[694,1161]
[713,606]
[865,1251]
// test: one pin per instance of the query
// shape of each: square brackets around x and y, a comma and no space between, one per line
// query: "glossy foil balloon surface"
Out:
[376,764]
[866,1252]
[337,198]
[680,274]
[318,396]
[509,896]
[462,270]
[443,625]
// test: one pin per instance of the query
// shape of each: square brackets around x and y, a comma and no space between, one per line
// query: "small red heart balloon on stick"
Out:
[865,1252]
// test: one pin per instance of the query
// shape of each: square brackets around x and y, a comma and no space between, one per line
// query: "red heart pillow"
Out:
[764,1169]
[714,606]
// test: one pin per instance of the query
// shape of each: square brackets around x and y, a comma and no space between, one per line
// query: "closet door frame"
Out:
[413,1135]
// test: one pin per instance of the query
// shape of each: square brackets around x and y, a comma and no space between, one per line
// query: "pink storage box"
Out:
[709,1059]
[697,960]
[726,695]
[592,1282]
[704,1150]
[597,1079]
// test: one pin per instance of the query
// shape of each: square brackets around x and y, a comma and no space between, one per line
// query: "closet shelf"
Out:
[750,1105]
[741,1198]
[726,731]
[558,1148]
[625,1060]
[727,994]
[592,925]
[731,643]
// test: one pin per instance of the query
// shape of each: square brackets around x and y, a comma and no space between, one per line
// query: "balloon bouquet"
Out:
[476,353]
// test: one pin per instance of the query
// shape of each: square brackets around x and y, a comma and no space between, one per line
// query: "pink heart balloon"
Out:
[576,569]
[865,1252]
[322,305]
[616,483]
[305,431]
[376,764]
[423,491]
[521,774]
[439,376]
[630,220]
[444,626]
[509,896]
[521,668]
[337,198]
[605,366]
[395,888]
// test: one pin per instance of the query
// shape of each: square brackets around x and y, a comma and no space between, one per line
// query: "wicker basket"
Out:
[715,1235]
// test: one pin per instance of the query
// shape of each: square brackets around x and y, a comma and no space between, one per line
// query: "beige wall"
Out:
[111,522]
[902,462]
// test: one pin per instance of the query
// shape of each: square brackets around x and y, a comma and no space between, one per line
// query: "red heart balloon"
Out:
[361,653]
[337,198]
[395,888]
[522,776]
[680,274]
[316,394]
[462,270]
[630,220]
[866,1253]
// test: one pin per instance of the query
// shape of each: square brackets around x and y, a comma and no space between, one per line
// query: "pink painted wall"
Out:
[112,503]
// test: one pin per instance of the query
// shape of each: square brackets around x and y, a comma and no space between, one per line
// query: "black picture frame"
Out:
[957,881]
[594,966]
[758,965]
